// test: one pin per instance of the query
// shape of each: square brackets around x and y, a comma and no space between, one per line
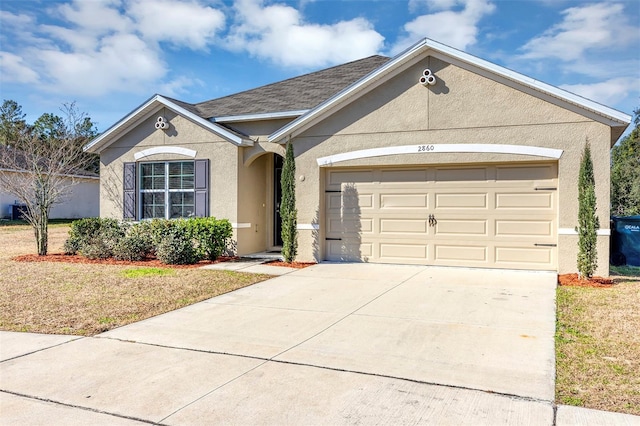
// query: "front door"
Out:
[277,199]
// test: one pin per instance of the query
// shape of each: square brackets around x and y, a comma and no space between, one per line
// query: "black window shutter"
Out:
[202,188]
[129,187]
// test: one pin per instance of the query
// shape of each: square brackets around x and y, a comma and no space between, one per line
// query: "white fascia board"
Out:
[150,105]
[258,117]
[608,113]
[220,131]
[96,143]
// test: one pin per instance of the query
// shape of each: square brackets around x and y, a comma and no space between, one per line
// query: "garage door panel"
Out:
[352,199]
[399,251]
[461,201]
[336,178]
[348,252]
[333,202]
[394,226]
[404,201]
[453,227]
[400,177]
[524,228]
[538,200]
[460,252]
[541,172]
[461,174]
[524,255]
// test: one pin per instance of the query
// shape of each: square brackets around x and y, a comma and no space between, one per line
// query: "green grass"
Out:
[86,299]
[23,223]
[598,346]
[147,272]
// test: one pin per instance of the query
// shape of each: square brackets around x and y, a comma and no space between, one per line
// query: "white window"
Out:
[167,189]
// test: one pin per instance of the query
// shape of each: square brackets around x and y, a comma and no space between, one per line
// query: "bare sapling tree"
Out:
[40,168]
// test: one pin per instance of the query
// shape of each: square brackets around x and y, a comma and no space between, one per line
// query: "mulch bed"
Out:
[151,262]
[297,265]
[572,280]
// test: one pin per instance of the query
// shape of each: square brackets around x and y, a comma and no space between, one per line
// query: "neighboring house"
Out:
[478,169]
[82,199]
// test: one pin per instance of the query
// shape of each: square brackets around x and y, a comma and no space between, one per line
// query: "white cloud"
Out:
[103,46]
[14,69]
[122,62]
[185,24]
[597,26]
[456,28]
[607,92]
[280,34]
[96,17]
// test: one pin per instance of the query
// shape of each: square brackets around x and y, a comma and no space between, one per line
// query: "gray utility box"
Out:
[17,211]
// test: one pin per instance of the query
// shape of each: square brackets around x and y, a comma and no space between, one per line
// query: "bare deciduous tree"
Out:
[41,171]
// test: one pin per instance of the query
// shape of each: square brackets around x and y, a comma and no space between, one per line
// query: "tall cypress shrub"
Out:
[588,223]
[288,211]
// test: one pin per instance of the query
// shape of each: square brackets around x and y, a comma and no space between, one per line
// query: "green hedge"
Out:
[181,241]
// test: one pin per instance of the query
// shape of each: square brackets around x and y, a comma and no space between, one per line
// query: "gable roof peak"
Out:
[599,112]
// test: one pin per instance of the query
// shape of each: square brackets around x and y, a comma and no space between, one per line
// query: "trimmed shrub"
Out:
[180,241]
[93,237]
[135,245]
[82,231]
[176,247]
[102,244]
[96,248]
[211,235]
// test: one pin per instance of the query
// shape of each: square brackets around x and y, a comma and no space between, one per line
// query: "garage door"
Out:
[495,216]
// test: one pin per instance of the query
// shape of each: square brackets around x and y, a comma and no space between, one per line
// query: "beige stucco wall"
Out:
[462,108]
[253,206]
[223,156]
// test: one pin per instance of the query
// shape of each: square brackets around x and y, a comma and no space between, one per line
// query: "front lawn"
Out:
[86,299]
[598,345]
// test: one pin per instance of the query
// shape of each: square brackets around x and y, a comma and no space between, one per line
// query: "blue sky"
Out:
[109,56]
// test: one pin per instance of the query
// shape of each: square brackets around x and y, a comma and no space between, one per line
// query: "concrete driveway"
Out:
[329,344]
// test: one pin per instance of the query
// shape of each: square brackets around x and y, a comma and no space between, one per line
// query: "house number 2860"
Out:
[425,148]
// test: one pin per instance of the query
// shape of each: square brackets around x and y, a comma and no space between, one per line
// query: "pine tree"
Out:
[288,211]
[588,223]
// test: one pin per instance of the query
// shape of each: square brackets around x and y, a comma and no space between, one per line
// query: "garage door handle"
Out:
[545,245]
[432,220]
[333,239]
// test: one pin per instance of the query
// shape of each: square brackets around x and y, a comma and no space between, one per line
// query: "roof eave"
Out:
[99,143]
[609,116]
[258,116]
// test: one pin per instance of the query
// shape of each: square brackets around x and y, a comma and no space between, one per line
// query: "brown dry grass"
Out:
[598,346]
[86,299]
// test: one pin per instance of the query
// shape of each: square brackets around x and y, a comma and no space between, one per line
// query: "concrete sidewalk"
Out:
[329,344]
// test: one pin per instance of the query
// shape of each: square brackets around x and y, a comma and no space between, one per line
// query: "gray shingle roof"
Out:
[298,93]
